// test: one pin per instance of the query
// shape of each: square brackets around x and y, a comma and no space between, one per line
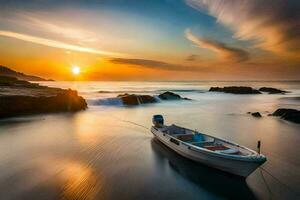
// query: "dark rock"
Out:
[291,115]
[235,90]
[283,111]
[12,81]
[171,96]
[256,114]
[67,101]
[18,97]
[272,90]
[132,99]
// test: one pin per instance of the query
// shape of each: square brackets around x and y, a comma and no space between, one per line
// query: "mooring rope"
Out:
[127,121]
[285,185]
[131,122]
[134,123]
[267,185]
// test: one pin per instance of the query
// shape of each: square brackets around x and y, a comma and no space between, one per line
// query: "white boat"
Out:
[211,151]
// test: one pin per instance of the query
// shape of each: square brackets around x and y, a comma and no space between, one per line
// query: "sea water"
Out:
[105,152]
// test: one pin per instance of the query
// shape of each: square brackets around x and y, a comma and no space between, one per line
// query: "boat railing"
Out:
[228,142]
[220,154]
[190,146]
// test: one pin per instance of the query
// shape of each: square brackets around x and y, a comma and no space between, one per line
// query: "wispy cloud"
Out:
[273,24]
[55,44]
[154,64]
[225,51]
[61,29]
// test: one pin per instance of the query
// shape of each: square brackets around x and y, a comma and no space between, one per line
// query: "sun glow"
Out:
[76,70]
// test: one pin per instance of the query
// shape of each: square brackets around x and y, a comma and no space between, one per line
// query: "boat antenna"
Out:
[258,146]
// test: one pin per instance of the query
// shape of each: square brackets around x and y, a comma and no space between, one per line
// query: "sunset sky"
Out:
[152,39]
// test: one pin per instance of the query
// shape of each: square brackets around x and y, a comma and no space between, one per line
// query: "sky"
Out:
[152,40]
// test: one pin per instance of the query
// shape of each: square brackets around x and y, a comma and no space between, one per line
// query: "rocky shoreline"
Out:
[18,97]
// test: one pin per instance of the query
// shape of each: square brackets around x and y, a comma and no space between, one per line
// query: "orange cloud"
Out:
[154,64]
[225,51]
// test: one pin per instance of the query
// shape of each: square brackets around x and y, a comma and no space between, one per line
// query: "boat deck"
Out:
[216,148]
[201,140]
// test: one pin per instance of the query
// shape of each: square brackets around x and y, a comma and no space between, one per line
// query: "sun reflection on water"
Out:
[80,182]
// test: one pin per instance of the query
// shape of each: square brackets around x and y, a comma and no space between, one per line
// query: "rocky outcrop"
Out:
[256,114]
[132,99]
[235,90]
[246,90]
[272,90]
[23,98]
[7,81]
[171,96]
[291,115]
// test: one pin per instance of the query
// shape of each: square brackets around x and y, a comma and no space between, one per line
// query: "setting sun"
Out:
[76,70]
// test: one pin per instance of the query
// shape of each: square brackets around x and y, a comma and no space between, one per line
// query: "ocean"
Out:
[107,152]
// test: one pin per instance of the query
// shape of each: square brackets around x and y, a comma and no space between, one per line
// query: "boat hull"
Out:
[237,167]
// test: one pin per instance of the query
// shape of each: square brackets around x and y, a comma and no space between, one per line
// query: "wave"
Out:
[106,102]
[114,101]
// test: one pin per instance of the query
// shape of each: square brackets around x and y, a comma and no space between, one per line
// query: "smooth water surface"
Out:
[106,152]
